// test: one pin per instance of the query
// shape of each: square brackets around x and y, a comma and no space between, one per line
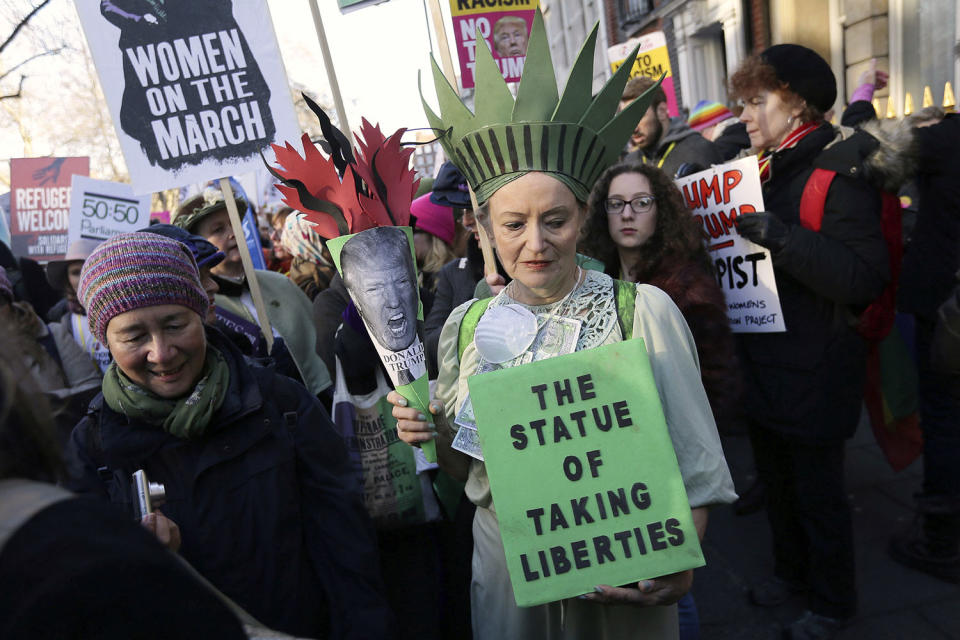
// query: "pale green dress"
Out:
[676,370]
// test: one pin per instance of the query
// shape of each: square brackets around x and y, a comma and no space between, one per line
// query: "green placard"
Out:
[583,473]
[381,253]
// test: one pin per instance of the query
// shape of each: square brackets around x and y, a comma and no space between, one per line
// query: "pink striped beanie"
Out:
[135,270]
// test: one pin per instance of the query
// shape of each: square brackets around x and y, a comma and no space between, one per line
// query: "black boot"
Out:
[932,545]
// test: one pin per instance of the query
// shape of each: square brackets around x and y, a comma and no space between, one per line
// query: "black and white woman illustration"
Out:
[192,87]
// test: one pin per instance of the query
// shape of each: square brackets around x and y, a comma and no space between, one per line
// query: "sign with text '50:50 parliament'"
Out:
[583,473]
[100,209]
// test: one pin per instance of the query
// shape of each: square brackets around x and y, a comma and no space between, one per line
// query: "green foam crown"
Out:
[574,136]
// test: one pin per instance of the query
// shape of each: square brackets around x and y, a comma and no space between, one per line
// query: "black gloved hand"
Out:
[764,228]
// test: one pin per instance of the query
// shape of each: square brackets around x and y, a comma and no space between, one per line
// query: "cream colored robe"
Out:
[676,370]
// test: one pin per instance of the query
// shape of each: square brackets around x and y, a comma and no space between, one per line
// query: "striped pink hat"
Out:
[135,270]
[706,114]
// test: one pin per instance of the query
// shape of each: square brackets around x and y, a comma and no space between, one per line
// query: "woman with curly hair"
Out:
[640,227]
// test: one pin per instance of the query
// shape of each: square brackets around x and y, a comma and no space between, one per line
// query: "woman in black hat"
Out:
[803,387]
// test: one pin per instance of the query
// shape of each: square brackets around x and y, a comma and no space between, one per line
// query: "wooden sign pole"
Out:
[489,261]
[443,46]
[248,271]
[331,72]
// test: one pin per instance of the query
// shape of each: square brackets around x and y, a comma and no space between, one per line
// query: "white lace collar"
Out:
[593,302]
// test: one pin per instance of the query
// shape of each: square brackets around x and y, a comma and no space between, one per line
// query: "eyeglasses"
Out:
[640,204]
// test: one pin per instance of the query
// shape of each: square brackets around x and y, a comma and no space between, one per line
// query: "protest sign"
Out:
[505,26]
[40,205]
[653,60]
[5,218]
[196,89]
[583,473]
[100,209]
[159,217]
[392,492]
[744,269]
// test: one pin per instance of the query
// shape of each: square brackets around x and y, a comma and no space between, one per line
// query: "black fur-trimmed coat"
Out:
[808,381]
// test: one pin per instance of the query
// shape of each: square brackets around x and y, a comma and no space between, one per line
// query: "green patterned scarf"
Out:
[186,417]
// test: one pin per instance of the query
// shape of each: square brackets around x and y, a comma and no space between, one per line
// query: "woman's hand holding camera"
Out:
[166,530]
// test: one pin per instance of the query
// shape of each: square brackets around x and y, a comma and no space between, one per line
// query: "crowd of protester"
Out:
[147,352]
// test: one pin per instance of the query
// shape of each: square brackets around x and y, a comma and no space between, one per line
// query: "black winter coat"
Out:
[680,145]
[268,508]
[456,282]
[933,255]
[78,569]
[808,382]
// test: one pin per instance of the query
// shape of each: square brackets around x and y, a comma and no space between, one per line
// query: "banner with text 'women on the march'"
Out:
[196,89]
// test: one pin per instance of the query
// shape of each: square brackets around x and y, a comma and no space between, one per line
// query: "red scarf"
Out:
[789,142]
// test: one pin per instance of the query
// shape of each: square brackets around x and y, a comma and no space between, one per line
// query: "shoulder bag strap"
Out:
[814,198]
[468,326]
[626,293]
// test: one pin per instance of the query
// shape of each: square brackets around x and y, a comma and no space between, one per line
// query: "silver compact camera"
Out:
[147,495]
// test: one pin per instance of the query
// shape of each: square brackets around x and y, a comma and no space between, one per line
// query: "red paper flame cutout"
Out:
[382,164]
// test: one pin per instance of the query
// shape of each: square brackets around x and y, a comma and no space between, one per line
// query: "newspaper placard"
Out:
[504,26]
[40,205]
[196,89]
[744,269]
[100,209]
[653,60]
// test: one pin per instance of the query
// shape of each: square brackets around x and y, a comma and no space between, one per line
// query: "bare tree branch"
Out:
[18,93]
[22,24]
[33,57]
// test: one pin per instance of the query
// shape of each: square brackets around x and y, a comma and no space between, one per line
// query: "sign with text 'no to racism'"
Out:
[653,60]
[196,89]
[744,269]
[40,205]
[583,473]
[503,24]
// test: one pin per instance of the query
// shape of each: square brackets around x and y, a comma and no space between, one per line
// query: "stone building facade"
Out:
[916,41]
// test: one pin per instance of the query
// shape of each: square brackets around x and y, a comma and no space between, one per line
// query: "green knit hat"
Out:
[573,137]
[201,205]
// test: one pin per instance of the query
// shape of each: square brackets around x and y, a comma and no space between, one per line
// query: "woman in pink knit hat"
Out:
[432,243]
